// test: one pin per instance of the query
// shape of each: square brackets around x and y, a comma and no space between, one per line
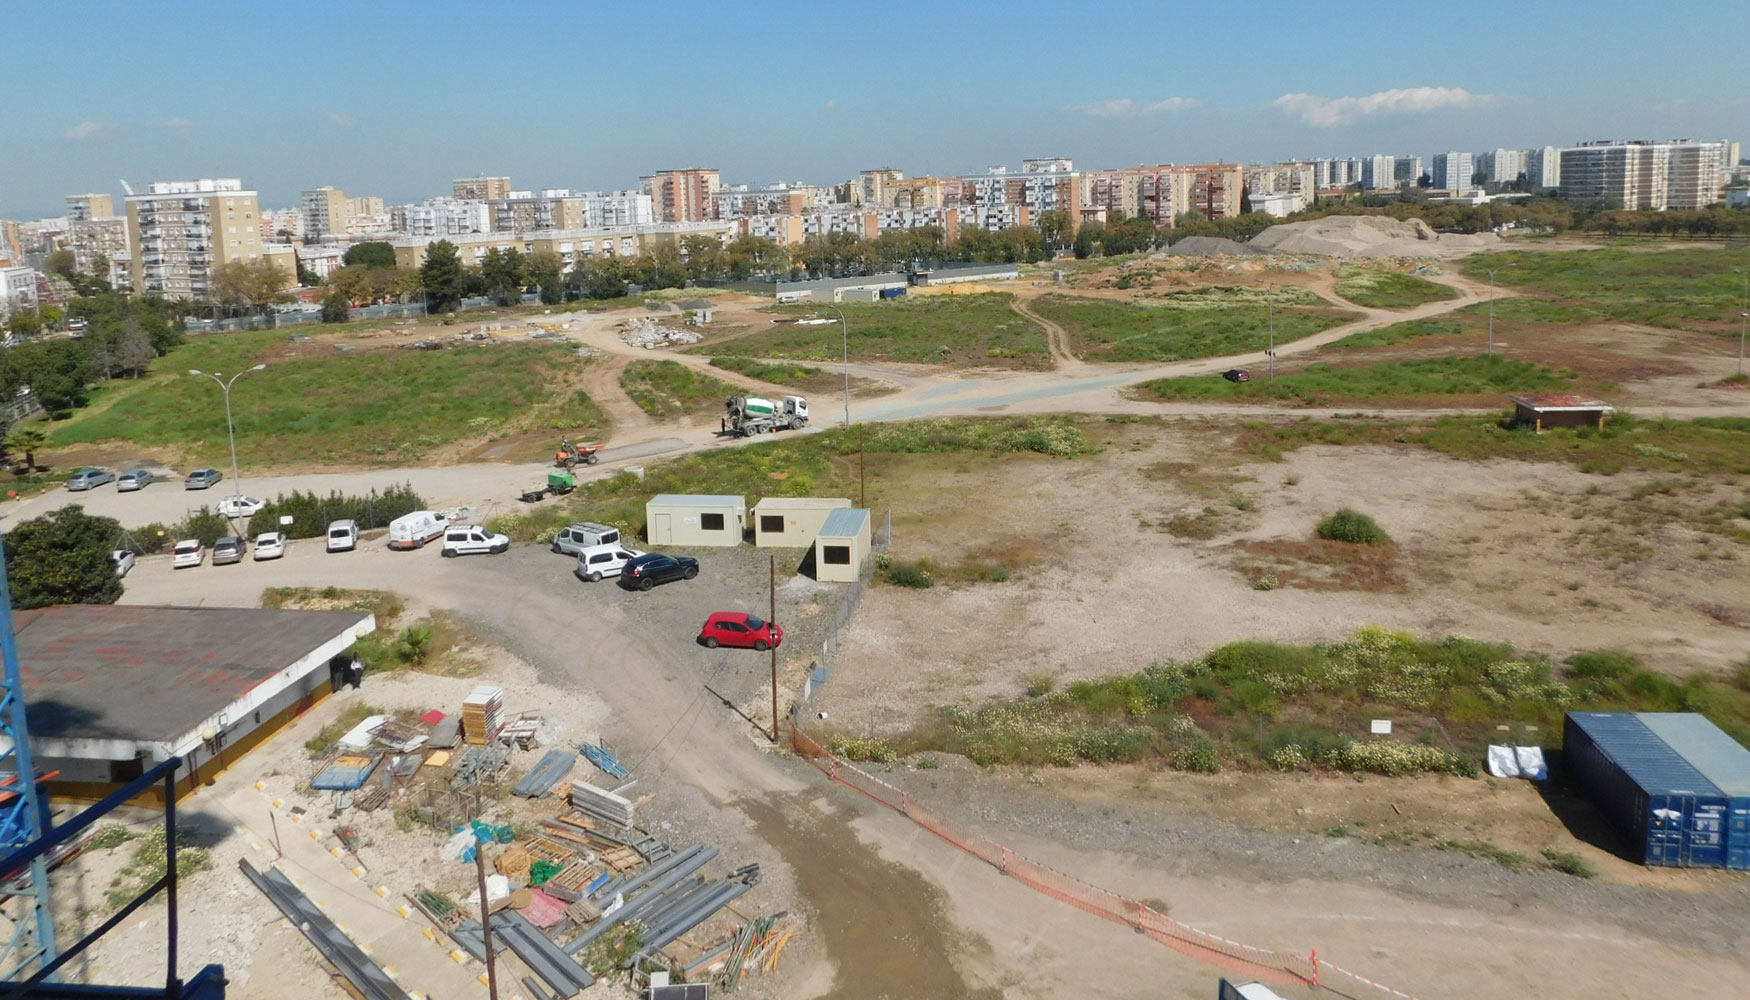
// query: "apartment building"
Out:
[18,290]
[94,231]
[11,241]
[1162,193]
[1049,165]
[1543,168]
[571,246]
[682,195]
[1658,175]
[1282,178]
[367,215]
[325,211]
[321,259]
[1453,170]
[1038,192]
[180,231]
[619,208]
[480,188]
[527,211]
[741,201]
[367,205]
[85,207]
[1503,166]
[437,217]
[279,225]
[870,187]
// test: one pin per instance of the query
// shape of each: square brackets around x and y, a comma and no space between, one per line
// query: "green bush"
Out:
[1352,526]
[912,575]
[310,513]
[1197,756]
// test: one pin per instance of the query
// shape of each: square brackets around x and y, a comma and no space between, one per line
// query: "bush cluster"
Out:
[1352,526]
[311,513]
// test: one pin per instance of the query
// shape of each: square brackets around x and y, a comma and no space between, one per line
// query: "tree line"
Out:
[122,336]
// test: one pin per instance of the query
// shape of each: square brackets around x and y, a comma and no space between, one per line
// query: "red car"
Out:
[736,628]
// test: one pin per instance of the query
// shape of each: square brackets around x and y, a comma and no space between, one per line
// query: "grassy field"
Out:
[1265,705]
[822,464]
[1377,289]
[1397,333]
[775,372]
[1387,380]
[669,389]
[1196,324]
[381,407]
[1671,288]
[931,329]
[1708,446]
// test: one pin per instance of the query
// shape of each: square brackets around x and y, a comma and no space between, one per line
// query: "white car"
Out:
[121,560]
[472,539]
[269,545]
[240,506]
[188,552]
[598,561]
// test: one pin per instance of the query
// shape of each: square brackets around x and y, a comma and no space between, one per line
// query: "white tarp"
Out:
[1531,763]
[1503,763]
[359,737]
[1517,762]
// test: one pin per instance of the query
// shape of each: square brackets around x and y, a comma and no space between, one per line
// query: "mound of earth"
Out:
[1366,236]
[1212,246]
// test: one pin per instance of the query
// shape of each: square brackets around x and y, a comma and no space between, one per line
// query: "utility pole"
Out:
[772,620]
[862,470]
[1270,293]
[1492,271]
[485,922]
[1743,316]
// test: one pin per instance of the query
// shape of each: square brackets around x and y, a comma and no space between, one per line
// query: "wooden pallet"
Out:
[542,849]
[572,882]
[622,859]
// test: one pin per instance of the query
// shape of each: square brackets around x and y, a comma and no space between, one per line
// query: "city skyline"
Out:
[396,108]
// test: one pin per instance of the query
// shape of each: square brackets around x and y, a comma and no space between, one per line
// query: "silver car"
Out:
[86,479]
[134,479]
[228,550]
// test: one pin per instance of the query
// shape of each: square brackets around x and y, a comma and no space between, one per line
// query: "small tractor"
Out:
[570,456]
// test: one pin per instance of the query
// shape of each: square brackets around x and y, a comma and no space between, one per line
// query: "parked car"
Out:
[200,479]
[134,479]
[86,479]
[1237,375]
[269,545]
[236,506]
[648,570]
[412,531]
[121,560]
[228,550]
[472,539]
[583,535]
[343,536]
[188,552]
[598,561]
[740,629]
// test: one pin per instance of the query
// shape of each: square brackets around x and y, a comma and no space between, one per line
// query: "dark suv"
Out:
[647,571]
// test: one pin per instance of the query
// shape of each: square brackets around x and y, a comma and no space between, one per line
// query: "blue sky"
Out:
[396,97]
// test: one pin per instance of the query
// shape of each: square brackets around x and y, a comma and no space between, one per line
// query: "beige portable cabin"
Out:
[688,519]
[842,546]
[792,522]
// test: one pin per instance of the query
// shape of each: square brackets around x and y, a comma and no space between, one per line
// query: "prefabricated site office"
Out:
[841,547]
[792,522]
[695,519]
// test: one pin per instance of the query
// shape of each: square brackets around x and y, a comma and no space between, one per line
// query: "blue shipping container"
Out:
[892,293]
[1653,775]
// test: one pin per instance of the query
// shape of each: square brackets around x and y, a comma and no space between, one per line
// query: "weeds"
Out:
[668,389]
[1320,383]
[1353,527]
[330,734]
[1567,863]
[1378,289]
[1196,323]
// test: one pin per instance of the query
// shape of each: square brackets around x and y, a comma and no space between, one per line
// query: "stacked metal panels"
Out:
[1674,784]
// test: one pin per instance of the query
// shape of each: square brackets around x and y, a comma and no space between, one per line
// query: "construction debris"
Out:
[366,976]
[483,714]
[605,759]
[552,769]
[642,331]
[601,803]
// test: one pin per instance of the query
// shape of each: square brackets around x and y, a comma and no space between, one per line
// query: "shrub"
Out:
[1197,756]
[1266,582]
[310,513]
[866,748]
[111,835]
[1352,526]
[1568,863]
[908,575]
[1393,759]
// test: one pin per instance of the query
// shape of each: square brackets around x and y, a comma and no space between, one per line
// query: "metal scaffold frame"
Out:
[24,819]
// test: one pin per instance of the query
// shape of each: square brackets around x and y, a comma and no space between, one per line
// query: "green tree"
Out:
[61,262]
[373,254]
[62,557]
[335,307]
[503,272]
[25,323]
[441,277]
[57,371]
[1055,226]
[546,271]
[27,440]
[1245,199]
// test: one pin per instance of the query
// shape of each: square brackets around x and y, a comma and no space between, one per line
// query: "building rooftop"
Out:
[1561,401]
[801,503]
[846,522]
[699,500]
[150,674]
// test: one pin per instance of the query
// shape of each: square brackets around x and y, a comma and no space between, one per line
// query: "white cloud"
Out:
[1326,112]
[177,124]
[341,118]
[88,130]
[833,103]
[1125,107]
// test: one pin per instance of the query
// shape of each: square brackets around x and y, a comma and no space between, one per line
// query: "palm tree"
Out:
[28,439]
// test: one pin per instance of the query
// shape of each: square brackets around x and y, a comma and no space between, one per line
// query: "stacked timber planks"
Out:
[483,714]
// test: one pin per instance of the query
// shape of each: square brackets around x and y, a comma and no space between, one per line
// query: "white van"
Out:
[598,561]
[343,536]
[412,531]
[472,539]
[583,535]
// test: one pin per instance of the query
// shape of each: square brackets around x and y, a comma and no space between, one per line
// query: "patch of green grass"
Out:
[1197,324]
[777,373]
[349,717]
[1656,288]
[668,389]
[1386,380]
[1510,860]
[1397,333]
[1377,289]
[1352,526]
[1567,863]
[925,329]
[384,407]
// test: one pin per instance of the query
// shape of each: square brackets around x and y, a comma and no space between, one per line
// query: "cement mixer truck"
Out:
[745,416]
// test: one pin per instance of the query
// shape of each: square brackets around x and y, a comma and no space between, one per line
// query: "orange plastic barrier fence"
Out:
[1240,959]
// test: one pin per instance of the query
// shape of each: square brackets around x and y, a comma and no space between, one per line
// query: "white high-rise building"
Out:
[1642,175]
[181,231]
[1543,167]
[442,217]
[1503,166]
[1452,171]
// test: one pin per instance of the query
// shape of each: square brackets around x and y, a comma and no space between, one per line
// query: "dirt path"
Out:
[1056,337]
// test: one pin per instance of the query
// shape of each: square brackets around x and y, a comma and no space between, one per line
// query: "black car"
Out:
[1237,375]
[648,570]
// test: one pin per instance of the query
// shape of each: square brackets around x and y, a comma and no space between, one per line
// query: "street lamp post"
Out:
[1270,298]
[1743,316]
[1492,271]
[845,335]
[230,428]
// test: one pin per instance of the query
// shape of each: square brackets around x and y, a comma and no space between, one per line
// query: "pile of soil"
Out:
[1367,236]
[1212,246]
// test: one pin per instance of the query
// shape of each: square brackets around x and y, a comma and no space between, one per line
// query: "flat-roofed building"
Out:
[181,231]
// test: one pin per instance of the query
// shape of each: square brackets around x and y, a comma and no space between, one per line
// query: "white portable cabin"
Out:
[695,519]
[792,522]
[841,546]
